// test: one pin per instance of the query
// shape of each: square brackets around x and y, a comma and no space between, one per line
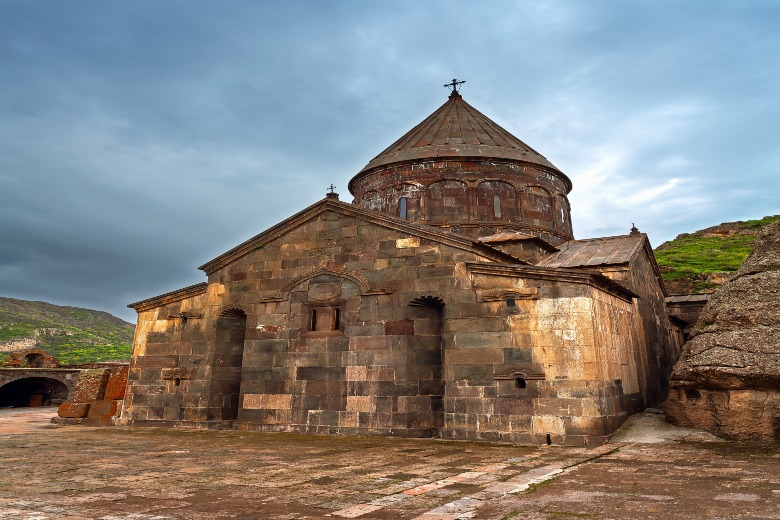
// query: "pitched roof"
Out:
[170,297]
[596,251]
[329,204]
[688,298]
[589,277]
[457,129]
[516,236]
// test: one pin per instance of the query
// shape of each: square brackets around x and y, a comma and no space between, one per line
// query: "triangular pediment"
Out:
[379,219]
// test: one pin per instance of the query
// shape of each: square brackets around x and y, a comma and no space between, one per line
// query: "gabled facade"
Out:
[445,301]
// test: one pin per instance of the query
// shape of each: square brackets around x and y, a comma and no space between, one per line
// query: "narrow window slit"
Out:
[497,206]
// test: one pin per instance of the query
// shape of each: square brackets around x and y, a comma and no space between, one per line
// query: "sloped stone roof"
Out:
[457,129]
[595,251]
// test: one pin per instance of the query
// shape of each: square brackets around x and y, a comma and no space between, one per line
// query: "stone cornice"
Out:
[555,274]
[380,219]
[451,159]
[171,297]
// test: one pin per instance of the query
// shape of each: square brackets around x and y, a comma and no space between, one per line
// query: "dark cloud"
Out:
[140,139]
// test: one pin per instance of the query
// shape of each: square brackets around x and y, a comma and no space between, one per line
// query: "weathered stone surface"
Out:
[728,377]
[116,384]
[103,412]
[73,410]
[386,317]
[91,385]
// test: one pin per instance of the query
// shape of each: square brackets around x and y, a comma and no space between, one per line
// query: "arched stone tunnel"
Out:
[20,387]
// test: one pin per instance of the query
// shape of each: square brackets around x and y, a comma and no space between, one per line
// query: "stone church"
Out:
[449,299]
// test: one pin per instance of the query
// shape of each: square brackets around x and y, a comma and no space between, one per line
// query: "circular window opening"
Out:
[691,394]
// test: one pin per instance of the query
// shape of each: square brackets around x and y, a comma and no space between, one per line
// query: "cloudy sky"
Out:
[140,139]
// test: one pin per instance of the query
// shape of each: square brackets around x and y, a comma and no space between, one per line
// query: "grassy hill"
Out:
[700,262]
[71,334]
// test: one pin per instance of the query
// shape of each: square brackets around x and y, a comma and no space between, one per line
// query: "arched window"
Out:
[538,205]
[496,200]
[448,201]
[402,208]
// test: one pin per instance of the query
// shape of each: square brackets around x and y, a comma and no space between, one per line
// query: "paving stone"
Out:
[157,473]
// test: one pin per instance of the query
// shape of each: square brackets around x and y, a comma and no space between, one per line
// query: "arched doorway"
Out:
[226,366]
[33,391]
[427,359]
[33,360]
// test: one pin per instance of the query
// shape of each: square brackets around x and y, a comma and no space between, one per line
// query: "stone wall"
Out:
[343,325]
[475,197]
[97,397]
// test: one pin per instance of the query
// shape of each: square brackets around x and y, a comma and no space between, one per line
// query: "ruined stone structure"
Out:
[34,378]
[31,358]
[449,299]
[97,397]
[36,386]
[727,380]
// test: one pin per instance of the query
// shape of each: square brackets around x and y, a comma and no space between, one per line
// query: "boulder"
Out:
[727,380]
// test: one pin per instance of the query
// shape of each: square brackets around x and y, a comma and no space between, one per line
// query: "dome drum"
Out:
[470,194]
[460,170]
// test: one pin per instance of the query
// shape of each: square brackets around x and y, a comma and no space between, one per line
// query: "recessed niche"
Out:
[691,394]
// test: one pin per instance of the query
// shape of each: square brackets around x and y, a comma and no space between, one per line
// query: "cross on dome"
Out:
[454,86]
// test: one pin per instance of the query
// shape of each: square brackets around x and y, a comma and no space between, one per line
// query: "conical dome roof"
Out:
[457,129]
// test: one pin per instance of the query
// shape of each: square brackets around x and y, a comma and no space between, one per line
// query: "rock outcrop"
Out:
[727,380]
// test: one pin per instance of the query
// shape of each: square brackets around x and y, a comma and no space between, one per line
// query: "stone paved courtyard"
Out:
[56,472]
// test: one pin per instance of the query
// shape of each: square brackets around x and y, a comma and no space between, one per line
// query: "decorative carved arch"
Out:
[528,208]
[546,189]
[415,196]
[362,283]
[449,179]
[487,190]
[529,374]
[463,192]
[411,183]
[233,311]
[503,181]
[372,199]
[427,301]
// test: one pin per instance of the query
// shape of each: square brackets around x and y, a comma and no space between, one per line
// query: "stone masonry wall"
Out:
[356,328]
[460,194]
[543,366]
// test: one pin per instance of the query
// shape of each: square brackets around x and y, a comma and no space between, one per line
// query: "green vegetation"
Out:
[688,262]
[71,334]
[533,488]
[694,254]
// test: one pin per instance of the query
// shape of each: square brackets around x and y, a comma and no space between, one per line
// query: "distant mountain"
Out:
[700,262]
[71,334]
